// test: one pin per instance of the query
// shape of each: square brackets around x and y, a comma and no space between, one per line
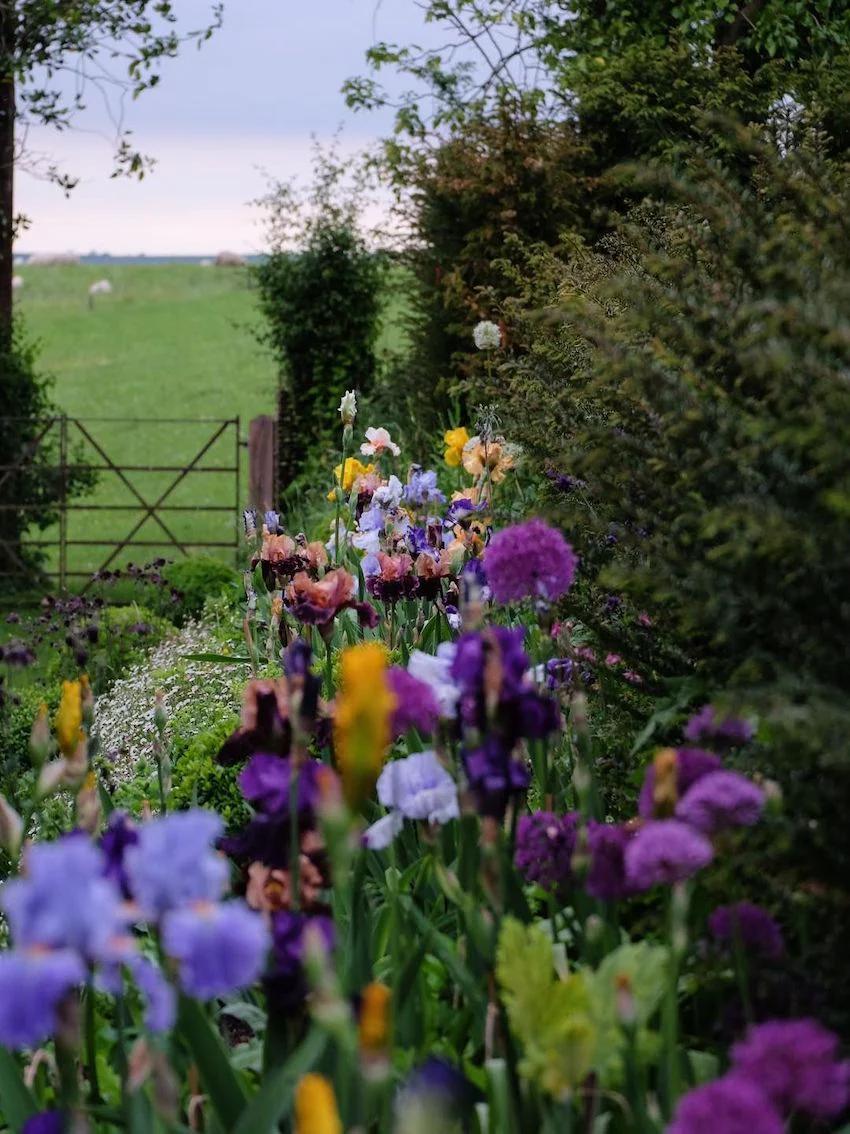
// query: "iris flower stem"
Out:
[294,842]
[91,1045]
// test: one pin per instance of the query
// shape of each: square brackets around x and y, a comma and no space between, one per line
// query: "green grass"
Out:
[171,341]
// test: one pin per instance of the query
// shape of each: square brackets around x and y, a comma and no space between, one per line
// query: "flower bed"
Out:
[417,913]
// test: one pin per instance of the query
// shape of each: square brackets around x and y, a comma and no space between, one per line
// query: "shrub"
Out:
[198,578]
[199,781]
[321,304]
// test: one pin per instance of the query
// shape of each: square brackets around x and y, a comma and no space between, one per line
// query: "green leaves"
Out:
[221,1083]
[16,1101]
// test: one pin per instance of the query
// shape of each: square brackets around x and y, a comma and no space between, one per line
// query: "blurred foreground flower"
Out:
[362,719]
[315,1107]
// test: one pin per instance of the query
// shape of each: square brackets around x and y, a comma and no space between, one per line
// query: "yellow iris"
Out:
[353,469]
[362,719]
[374,1024]
[315,1107]
[69,717]
[455,439]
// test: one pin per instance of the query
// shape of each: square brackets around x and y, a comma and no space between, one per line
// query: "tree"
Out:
[111,44]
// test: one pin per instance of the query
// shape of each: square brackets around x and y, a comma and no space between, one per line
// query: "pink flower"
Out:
[612,659]
[378,441]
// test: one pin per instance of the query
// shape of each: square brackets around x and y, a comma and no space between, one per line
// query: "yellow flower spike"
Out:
[375,1019]
[69,717]
[315,1106]
[455,439]
[664,789]
[362,719]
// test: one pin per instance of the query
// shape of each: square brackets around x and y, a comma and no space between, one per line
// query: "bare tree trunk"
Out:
[7,164]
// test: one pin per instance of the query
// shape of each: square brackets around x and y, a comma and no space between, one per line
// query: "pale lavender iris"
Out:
[422,489]
[435,670]
[32,986]
[174,862]
[418,787]
[218,947]
[64,901]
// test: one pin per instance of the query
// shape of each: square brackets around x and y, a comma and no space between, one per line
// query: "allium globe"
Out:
[530,560]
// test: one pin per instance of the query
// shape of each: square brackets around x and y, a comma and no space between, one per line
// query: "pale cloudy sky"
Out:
[248,101]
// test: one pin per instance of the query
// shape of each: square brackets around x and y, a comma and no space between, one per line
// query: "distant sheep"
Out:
[230,260]
[17,283]
[99,287]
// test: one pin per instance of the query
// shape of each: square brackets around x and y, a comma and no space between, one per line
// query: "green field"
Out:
[171,341]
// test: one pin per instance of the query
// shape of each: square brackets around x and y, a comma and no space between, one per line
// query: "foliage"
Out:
[198,780]
[198,578]
[319,293]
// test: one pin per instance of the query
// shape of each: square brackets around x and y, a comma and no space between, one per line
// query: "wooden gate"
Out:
[104,499]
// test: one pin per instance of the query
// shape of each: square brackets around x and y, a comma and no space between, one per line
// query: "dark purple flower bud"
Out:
[286,982]
[750,927]
[606,877]
[494,775]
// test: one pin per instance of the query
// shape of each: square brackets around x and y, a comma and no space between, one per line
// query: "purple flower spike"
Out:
[173,862]
[544,849]
[706,727]
[720,800]
[664,852]
[32,986]
[751,926]
[730,1105]
[794,1063]
[529,560]
[218,947]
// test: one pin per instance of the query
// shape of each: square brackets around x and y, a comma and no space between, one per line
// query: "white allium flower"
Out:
[348,407]
[487,335]
[378,441]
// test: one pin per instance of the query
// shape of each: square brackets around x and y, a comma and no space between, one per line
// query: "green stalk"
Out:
[91,1045]
[294,842]
[677,915]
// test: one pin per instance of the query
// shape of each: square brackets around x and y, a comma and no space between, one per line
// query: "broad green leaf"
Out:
[217,1075]
[223,659]
[274,1099]
[16,1100]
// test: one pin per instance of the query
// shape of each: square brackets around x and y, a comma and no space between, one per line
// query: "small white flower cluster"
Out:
[125,715]
[487,335]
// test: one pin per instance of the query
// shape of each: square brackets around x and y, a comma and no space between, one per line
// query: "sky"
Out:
[223,118]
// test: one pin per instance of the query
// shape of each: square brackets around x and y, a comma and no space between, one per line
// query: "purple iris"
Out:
[416,703]
[174,863]
[544,849]
[120,834]
[64,901]
[417,787]
[422,489]
[266,783]
[494,775]
[272,521]
[218,947]
[32,986]
[285,981]
[606,878]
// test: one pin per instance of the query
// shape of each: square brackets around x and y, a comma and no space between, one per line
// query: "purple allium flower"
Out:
[529,560]
[266,784]
[691,765]
[663,852]
[32,986]
[606,876]
[45,1122]
[435,671]
[285,982]
[174,863]
[416,703]
[795,1064]
[706,727]
[418,787]
[422,489]
[730,1105]
[720,800]
[749,924]
[64,901]
[120,834]
[544,849]
[494,775]
[219,947]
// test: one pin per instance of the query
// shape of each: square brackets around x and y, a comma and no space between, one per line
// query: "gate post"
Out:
[63,502]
